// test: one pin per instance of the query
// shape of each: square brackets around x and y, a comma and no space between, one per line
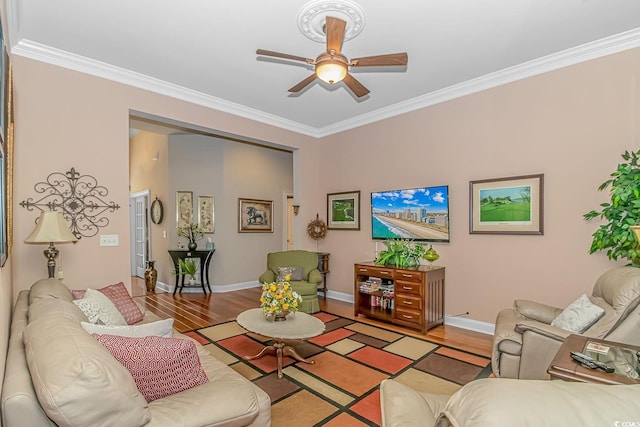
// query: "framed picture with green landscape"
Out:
[507,205]
[343,211]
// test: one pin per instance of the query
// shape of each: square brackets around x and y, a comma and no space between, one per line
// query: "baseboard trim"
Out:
[470,324]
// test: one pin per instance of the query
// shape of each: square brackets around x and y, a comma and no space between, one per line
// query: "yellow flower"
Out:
[262,299]
[278,295]
[273,287]
[295,303]
[287,277]
[286,287]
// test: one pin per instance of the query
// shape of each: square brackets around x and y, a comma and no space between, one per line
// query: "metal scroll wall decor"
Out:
[80,199]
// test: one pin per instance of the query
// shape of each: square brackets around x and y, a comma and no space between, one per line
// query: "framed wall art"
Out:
[184,208]
[206,213]
[507,205]
[255,216]
[343,211]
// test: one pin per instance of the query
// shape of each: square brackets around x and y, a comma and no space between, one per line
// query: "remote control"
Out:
[590,362]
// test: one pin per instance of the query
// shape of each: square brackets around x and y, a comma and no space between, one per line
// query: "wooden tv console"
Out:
[416,299]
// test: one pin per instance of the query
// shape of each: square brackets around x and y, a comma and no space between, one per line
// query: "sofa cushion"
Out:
[159,328]
[578,316]
[120,297]
[99,309]
[159,366]
[77,381]
[47,289]
[54,308]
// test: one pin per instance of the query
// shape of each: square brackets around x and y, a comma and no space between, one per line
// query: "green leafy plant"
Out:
[616,236]
[188,266]
[401,253]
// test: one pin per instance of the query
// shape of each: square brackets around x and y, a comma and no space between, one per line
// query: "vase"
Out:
[280,316]
[150,276]
[192,246]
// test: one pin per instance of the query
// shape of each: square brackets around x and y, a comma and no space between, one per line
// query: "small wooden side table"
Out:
[323,267]
[563,367]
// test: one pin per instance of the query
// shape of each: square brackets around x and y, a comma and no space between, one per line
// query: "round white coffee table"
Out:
[298,326]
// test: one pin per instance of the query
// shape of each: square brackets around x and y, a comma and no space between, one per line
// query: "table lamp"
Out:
[51,228]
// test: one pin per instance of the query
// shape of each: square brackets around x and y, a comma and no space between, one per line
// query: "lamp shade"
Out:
[331,72]
[51,227]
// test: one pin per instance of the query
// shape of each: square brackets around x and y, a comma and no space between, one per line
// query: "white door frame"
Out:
[146,195]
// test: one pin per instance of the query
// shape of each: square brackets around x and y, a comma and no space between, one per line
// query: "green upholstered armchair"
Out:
[307,286]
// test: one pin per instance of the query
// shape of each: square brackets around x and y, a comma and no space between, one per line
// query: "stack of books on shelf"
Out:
[372,284]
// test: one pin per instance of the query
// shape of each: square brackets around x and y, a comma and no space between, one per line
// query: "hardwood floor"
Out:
[194,311]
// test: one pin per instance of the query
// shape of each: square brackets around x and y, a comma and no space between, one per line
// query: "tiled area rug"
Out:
[351,358]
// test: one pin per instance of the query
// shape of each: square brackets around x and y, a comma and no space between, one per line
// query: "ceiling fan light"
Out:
[331,72]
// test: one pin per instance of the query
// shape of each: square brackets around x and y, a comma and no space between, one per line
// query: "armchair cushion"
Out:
[579,315]
[294,273]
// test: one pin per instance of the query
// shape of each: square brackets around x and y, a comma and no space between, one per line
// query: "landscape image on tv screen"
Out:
[420,214]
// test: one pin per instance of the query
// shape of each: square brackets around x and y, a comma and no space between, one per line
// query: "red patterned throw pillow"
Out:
[159,366]
[120,297]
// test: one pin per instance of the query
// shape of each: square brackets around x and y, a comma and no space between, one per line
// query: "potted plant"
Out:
[622,213]
[188,267]
[401,253]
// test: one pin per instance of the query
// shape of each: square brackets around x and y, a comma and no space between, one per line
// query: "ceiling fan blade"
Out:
[335,33]
[381,60]
[284,56]
[356,87]
[304,83]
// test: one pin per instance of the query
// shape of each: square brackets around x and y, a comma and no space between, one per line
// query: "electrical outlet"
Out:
[109,240]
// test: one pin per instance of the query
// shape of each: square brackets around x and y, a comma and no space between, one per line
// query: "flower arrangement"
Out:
[191,232]
[278,297]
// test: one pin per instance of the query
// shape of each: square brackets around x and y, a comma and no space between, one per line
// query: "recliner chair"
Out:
[525,342]
[307,286]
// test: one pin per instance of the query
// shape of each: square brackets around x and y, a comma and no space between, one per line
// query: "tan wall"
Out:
[67,119]
[572,125]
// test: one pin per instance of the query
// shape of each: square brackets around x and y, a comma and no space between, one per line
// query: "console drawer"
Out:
[408,287]
[409,302]
[411,316]
[374,271]
[409,276]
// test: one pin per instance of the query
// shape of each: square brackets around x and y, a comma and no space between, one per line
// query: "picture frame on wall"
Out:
[206,218]
[255,216]
[184,208]
[512,205]
[343,211]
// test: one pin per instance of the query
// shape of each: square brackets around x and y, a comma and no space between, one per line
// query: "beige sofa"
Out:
[498,402]
[58,374]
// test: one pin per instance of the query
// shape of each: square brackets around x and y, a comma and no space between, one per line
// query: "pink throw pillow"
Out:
[119,296]
[159,366]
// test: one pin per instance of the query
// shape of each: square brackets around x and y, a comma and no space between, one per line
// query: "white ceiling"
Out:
[203,51]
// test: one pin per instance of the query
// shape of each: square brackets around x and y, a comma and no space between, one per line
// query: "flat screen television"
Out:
[420,214]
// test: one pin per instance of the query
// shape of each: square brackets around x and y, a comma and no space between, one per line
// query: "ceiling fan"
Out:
[332,66]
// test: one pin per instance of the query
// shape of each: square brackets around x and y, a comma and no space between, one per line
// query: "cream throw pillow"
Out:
[99,309]
[578,316]
[160,328]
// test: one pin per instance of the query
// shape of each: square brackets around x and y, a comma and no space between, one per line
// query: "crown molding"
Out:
[586,52]
[44,53]
[600,48]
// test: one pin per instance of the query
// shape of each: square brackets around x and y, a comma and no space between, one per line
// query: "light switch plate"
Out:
[109,240]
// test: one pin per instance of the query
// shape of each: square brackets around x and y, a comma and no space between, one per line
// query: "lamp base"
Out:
[51,253]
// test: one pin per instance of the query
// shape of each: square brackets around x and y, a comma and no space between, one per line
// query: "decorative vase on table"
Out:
[281,316]
[431,255]
[150,276]
[192,246]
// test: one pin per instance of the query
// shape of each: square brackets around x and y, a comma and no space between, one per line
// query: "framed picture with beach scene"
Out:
[343,211]
[511,205]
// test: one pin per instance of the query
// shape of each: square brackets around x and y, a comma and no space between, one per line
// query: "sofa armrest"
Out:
[314,276]
[543,329]
[536,311]
[267,277]
[403,406]
[494,402]
[229,401]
